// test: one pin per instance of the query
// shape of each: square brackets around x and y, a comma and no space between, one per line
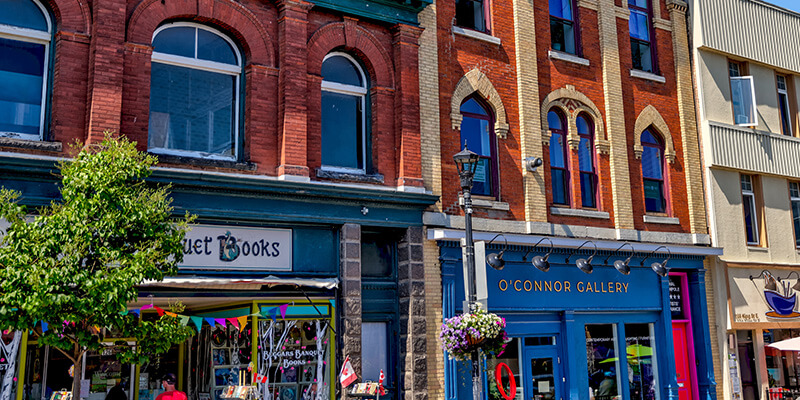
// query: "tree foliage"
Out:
[75,264]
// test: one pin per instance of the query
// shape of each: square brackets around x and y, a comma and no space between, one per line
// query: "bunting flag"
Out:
[198,322]
[171,314]
[242,322]
[123,313]
[146,307]
[159,310]
[220,321]
[233,322]
[184,319]
[135,311]
[45,327]
[283,309]
[273,313]
[210,321]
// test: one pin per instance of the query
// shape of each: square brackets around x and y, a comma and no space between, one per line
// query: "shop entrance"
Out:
[682,365]
[542,369]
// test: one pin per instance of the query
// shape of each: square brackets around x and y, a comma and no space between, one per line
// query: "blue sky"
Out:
[793,5]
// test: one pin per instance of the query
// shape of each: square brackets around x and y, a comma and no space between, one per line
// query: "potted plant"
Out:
[478,330]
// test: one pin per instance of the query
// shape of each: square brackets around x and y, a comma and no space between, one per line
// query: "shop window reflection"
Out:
[602,362]
[640,349]
[511,358]
[150,374]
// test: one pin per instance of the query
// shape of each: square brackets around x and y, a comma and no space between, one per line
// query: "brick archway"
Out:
[70,15]
[476,81]
[353,38]
[229,15]
[647,118]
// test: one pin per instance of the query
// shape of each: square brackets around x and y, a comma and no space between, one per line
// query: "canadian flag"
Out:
[261,378]
[347,375]
[380,384]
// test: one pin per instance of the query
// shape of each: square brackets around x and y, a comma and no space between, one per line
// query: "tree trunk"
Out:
[76,376]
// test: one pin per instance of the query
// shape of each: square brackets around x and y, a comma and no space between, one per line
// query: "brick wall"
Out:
[102,66]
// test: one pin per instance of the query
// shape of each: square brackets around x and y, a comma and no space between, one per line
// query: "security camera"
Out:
[531,163]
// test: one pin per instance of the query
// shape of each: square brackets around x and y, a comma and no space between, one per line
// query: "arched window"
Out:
[586,161]
[25,33]
[653,172]
[344,102]
[194,92]
[477,130]
[559,172]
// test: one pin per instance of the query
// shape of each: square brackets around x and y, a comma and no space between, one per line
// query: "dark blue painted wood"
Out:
[392,11]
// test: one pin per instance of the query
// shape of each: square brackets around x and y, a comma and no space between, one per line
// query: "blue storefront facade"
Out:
[599,336]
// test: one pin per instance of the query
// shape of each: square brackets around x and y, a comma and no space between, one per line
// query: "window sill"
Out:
[560,55]
[578,212]
[204,162]
[30,144]
[350,177]
[757,248]
[476,35]
[654,219]
[486,203]
[648,76]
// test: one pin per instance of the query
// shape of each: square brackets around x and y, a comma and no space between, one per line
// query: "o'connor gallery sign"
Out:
[229,247]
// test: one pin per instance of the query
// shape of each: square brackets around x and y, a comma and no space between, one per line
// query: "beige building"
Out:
[747,73]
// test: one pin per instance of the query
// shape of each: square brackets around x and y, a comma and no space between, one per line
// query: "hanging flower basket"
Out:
[465,334]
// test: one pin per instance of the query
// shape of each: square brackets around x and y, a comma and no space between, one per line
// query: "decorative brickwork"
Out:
[650,117]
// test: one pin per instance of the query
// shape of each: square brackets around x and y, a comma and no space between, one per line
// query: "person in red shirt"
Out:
[168,383]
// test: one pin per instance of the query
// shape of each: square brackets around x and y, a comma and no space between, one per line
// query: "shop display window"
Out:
[104,372]
[293,359]
[602,361]
[509,357]
[150,374]
[642,371]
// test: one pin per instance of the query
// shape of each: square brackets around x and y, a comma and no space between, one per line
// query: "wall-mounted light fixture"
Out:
[770,283]
[540,262]
[531,163]
[584,264]
[496,260]
[796,285]
[619,265]
[659,268]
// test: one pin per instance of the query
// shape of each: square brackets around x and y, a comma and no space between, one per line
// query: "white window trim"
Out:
[361,93]
[750,193]
[753,100]
[38,37]
[792,200]
[203,65]
[785,94]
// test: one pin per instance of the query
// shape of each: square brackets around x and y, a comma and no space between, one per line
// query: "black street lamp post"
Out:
[467,163]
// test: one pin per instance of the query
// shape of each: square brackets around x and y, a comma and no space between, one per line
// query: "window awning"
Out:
[195,282]
[792,344]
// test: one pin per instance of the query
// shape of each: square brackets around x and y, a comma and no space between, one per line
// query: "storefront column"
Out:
[706,383]
[413,342]
[761,360]
[350,265]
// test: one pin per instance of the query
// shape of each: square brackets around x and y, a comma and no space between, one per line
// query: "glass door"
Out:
[542,377]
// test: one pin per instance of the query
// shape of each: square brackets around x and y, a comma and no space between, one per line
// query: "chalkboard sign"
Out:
[676,297]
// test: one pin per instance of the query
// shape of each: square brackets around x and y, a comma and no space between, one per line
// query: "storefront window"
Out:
[783,367]
[104,372]
[640,347]
[511,358]
[602,361]
[293,357]
[150,374]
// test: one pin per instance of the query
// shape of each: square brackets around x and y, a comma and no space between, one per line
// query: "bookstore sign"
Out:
[231,247]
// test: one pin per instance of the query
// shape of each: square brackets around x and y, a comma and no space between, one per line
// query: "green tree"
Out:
[76,263]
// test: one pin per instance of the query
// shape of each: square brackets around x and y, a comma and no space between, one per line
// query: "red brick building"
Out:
[290,122]
[599,92]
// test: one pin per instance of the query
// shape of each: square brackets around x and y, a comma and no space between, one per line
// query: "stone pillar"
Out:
[292,82]
[686,111]
[530,120]
[350,309]
[413,330]
[615,118]
[106,48]
[406,71]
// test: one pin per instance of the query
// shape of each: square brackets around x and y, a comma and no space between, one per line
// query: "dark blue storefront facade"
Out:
[569,328]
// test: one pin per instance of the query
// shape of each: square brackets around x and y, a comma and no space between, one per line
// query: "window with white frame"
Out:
[783,105]
[794,197]
[641,31]
[750,210]
[194,92]
[25,34]
[344,103]
[743,96]
[472,14]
